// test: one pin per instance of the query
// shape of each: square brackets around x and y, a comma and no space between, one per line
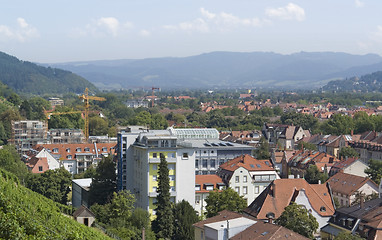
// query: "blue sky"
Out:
[63,31]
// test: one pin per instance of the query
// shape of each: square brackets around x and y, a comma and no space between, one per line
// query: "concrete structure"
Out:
[80,192]
[136,103]
[247,176]
[27,133]
[66,136]
[84,216]
[55,102]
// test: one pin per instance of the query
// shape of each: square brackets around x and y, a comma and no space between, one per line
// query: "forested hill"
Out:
[27,77]
[25,214]
[366,83]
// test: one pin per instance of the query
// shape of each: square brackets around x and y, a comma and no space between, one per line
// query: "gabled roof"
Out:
[223,215]
[280,193]
[248,162]
[347,183]
[83,212]
[204,180]
[263,231]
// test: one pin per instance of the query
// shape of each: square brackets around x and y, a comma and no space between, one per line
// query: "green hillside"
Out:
[27,77]
[366,83]
[25,214]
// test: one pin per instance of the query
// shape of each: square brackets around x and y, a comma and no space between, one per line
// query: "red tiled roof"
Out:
[207,179]
[247,162]
[347,183]
[281,192]
[222,216]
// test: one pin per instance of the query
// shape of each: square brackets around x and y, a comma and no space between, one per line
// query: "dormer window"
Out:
[55,150]
[78,149]
[323,209]
[68,150]
[197,187]
[87,149]
[104,149]
[209,187]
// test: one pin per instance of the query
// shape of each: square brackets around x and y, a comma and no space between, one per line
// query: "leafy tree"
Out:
[10,161]
[38,104]
[163,225]
[347,236]
[262,152]
[297,218]
[14,99]
[97,126]
[313,176]
[104,182]
[338,124]
[307,146]
[298,119]
[6,118]
[185,215]
[89,173]
[53,184]
[374,171]
[363,122]
[227,199]
[158,121]
[25,109]
[346,152]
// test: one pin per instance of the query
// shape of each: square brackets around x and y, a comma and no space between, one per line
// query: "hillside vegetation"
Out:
[25,214]
[27,77]
[366,83]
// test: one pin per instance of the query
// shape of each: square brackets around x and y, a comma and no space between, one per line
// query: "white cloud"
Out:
[101,27]
[22,32]
[221,21]
[289,12]
[144,33]
[110,23]
[359,3]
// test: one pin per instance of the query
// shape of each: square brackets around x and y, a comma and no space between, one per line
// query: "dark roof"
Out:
[262,230]
[83,212]
[355,211]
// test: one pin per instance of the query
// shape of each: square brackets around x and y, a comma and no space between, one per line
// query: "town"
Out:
[303,170]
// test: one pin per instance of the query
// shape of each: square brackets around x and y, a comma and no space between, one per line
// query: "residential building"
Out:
[285,136]
[352,166]
[136,103]
[76,158]
[346,186]
[42,160]
[55,102]
[37,165]
[27,133]
[234,226]
[203,185]
[282,192]
[80,192]
[63,135]
[247,176]
[364,219]
[244,137]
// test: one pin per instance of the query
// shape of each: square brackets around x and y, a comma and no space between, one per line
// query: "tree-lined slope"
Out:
[25,214]
[27,77]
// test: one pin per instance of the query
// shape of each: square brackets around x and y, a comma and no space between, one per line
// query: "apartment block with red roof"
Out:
[203,185]
[247,175]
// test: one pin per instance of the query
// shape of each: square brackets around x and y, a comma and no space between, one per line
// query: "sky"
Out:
[83,30]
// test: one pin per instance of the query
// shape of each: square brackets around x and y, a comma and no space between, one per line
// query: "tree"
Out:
[262,152]
[306,146]
[346,152]
[338,124]
[10,161]
[374,171]
[313,176]
[104,182]
[297,218]
[227,199]
[185,216]
[163,225]
[53,184]
[97,126]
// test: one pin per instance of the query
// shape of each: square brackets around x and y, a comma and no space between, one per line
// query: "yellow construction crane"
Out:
[85,97]
[59,113]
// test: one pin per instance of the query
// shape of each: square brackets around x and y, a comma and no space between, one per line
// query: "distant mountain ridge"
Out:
[227,69]
[27,77]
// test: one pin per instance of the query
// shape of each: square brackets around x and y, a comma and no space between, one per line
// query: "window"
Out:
[104,149]
[197,199]
[204,163]
[78,149]
[155,167]
[68,150]
[155,155]
[87,149]
[257,190]
[212,163]
[172,177]
[209,187]
[221,187]
[272,177]
[197,187]
[172,189]
[221,161]
[237,179]
[154,189]
[245,179]
[155,178]
[70,166]
[171,166]
[196,163]
[185,156]
[69,156]
[237,189]
[40,168]
[245,190]
[55,150]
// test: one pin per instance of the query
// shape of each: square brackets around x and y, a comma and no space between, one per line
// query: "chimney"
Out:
[352,132]
[361,201]
[270,216]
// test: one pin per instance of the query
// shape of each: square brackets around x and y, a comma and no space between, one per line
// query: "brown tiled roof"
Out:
[63,153]
[289,132]
[281,192]
[347,183]
[83,212]
[248,162]
[222,216]
[263,231]
[202,180]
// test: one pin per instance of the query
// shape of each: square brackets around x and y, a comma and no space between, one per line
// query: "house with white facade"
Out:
[203,185]
[247,175]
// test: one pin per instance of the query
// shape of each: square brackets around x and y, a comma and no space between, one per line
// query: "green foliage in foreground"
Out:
[25,214]
[227,199]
